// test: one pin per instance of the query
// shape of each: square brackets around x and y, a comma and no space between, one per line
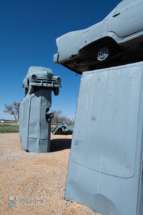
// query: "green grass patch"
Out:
[13,128]
[54,124]
[52,129]
[9,128]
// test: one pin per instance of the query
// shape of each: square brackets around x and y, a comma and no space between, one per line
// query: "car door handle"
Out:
[117,14]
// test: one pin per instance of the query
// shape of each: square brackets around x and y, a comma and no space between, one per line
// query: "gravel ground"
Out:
[37,181]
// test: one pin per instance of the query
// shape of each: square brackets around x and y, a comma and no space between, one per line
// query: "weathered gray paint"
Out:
[34,128]
[34,117]
[63,129]
[121,31]
[105,165]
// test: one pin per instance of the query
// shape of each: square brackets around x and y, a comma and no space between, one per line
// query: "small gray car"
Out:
[38,77]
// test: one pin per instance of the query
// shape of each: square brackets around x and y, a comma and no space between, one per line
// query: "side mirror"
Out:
[49,116]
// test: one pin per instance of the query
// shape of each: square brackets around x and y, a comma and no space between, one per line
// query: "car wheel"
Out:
[103,54]
[56,91]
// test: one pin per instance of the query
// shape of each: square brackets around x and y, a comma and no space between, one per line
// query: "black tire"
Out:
[56,91]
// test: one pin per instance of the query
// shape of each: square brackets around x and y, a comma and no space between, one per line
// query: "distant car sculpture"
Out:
[39,77]
[34,117]
[63,129]
[116,40]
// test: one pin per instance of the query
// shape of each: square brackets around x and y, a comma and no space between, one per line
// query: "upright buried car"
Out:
[34,114]
[116,40]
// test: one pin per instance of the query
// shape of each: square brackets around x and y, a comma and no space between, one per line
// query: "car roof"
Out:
[37,69]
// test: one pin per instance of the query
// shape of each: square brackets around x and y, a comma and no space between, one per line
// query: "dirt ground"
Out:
[37,181]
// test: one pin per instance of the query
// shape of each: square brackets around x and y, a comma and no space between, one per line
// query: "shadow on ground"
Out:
[60,144]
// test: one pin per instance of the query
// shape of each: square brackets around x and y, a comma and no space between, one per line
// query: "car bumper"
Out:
[55,58]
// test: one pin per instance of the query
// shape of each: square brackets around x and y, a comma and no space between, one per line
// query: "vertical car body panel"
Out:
[35,129]
[105,166]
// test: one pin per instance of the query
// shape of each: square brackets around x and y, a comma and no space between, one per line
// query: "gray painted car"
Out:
[38,77]
[105,164]
[116,40]
[34,114]
[63,129]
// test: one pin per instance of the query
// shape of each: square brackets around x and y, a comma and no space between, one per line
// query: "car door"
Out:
[126,18]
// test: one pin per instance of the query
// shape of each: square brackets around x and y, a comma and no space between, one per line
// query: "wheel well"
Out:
[88,54]
[103,42]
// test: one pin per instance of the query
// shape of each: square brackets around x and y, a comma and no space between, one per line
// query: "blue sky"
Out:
[28,30]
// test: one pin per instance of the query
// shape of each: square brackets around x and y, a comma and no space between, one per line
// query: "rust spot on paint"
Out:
[128,167]
[85,41]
